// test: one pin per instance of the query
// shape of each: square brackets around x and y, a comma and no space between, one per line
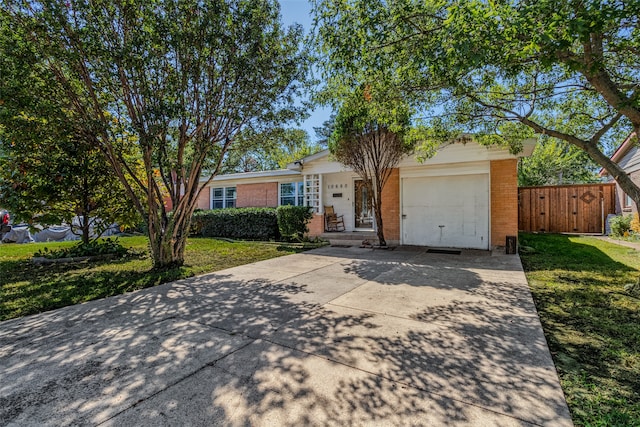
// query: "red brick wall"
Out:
[204,200]
[257,195]
[391,206]
[316,225]
[504,200]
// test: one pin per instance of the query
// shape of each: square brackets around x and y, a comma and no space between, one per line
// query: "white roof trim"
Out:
[250,175]
[297,164]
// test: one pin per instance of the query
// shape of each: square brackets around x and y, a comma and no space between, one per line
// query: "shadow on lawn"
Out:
[591,326]
[551,251]
[28,289]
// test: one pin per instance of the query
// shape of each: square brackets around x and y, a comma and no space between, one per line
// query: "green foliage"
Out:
[369,136]
[620,225]
[181,77]
[238,223]
[497,70]
[590,322]
[268,150]
[555,162]
[292,221]
[106,246]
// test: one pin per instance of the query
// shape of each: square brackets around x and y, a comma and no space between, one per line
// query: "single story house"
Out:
[466,196]
[627,156]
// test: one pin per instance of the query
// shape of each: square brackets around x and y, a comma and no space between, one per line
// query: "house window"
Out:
[223,197]
[628,201]
[292,193]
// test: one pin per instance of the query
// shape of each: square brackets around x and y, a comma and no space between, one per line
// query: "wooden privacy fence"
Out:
[565,208]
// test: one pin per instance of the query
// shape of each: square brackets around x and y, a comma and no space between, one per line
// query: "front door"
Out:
[363,213]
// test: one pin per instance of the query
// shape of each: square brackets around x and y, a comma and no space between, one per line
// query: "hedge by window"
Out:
[292,194]
[223,197]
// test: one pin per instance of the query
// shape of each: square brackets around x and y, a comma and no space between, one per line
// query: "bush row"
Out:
[284,222]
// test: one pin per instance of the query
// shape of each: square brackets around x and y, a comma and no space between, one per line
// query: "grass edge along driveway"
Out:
[591,323]
[28,289]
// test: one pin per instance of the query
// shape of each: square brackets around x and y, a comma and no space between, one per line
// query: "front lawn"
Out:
[26,288]
[591,323]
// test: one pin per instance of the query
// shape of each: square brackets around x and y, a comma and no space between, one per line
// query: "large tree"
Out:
[183,76]
[48,173]
[569,70]
[371,138]
[48,182]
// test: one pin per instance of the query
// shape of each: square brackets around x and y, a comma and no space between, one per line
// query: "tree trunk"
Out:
[85,230]
[168,237]
[377,207]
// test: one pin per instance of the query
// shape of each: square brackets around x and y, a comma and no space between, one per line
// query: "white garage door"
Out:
[446,211]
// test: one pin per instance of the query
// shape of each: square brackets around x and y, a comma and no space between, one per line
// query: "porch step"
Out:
[350,238]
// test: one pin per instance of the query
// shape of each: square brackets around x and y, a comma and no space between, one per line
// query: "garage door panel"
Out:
[450,211]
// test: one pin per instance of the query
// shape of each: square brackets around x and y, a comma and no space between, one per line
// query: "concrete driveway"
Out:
[334,336]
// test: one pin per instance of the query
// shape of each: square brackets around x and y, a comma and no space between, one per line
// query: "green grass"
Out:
[27,289]
[591,323]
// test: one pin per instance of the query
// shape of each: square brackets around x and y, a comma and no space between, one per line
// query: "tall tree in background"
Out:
[183,76]
[371,141]
[324,132]
[555,162]
[270,150]
[500,70]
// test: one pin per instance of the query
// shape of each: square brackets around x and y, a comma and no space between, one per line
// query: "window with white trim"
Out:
[292,194]
[223,197]
[627,201]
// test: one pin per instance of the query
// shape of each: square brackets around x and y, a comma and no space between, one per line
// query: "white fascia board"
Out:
[470,152]
[255,177]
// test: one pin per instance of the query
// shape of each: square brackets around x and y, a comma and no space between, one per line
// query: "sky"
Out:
[299,11]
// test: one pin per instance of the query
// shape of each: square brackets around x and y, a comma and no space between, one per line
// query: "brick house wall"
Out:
[204,199]
[257,195]
[316,225]
[391,206]
[504,200]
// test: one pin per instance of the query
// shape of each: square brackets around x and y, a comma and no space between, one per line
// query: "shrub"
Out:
[620,225]
[635,224]
[197,222]
[292,221]
[93,248]
[238,223]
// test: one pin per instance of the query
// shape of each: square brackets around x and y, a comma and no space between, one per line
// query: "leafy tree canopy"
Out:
[184,77]
[269,150]
[497,70]
[555,162]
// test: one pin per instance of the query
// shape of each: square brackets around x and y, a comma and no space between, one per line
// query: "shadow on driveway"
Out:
[328,337]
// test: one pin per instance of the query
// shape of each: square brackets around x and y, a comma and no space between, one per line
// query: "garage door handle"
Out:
[404,216]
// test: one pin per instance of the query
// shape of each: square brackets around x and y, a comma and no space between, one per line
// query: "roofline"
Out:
[622,151]
[258,174]
[297,165]
[528,146]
